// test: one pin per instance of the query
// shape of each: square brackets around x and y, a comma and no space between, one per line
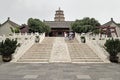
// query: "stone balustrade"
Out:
[26,40]
[96,44]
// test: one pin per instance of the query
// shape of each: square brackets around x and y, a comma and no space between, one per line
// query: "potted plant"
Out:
[112,46]
[37,39]
[83,40]
[93,38]
[7,48]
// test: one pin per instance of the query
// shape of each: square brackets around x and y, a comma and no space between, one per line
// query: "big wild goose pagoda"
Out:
[59,25]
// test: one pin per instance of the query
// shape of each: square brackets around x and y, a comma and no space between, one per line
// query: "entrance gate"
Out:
[58,32]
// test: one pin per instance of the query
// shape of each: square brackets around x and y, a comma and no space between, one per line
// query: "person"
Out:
[65,35]
[70,35]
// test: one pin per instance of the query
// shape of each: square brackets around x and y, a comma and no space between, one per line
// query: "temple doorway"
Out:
[58,32]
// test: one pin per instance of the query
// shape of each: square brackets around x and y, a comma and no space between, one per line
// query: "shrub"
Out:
[7,48]
[112,46]
[83,40]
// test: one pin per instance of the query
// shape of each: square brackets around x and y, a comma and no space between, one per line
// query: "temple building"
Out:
[112,27]
[59,25]
[5,28]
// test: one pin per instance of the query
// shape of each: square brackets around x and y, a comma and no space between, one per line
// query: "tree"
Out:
[47,29]
[85,25]
[15,29]
[36,25]
[118,24]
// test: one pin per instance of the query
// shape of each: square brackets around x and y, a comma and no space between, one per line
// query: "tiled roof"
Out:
[110,22]
[24,28]
[14,24]
[59,24]
[11,23]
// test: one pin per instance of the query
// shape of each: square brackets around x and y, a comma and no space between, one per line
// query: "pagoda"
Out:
[59,15]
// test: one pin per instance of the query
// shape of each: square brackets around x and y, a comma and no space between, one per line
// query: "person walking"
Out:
[65,35]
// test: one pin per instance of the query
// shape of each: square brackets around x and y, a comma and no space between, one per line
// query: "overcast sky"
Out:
[20,10]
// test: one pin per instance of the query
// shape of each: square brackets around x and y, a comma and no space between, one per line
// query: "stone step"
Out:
[35,57]
[33,60]
[87,60]
[38,51]
[72,41]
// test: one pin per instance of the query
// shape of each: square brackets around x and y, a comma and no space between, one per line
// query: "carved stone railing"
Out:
[77,36]
[26,40]
[27,43]
[96,45]
[99,50]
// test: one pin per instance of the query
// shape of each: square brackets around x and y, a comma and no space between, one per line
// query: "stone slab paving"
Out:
[61,71]
[72,41]
[48,40]
[39,52]
[60,51]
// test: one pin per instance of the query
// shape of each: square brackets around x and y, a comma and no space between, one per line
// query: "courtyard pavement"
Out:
[55,71]
[57,50]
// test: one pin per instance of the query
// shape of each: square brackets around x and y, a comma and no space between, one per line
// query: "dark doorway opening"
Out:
[60,34]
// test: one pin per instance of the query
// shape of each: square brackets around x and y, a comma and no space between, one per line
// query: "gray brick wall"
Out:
[5,29]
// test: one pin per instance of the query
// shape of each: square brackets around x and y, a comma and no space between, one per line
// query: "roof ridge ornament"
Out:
[8,18]
[59,8]
[112,19]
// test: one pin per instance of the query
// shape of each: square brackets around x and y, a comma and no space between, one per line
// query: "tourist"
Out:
[65,35]
[71,36]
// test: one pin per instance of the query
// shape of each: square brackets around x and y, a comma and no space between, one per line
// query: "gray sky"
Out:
[21,10]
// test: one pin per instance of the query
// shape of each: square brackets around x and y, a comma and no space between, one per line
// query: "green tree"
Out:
[36,25]
[15,29]
[118,24]
[85,25]
[47,29]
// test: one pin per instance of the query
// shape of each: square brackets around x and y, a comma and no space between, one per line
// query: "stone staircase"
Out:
[82,53]
[57,49]
[39,52]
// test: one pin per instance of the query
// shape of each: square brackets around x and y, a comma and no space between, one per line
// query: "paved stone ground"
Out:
[47,71]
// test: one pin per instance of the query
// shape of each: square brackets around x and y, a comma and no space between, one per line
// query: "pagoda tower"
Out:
[59,15]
